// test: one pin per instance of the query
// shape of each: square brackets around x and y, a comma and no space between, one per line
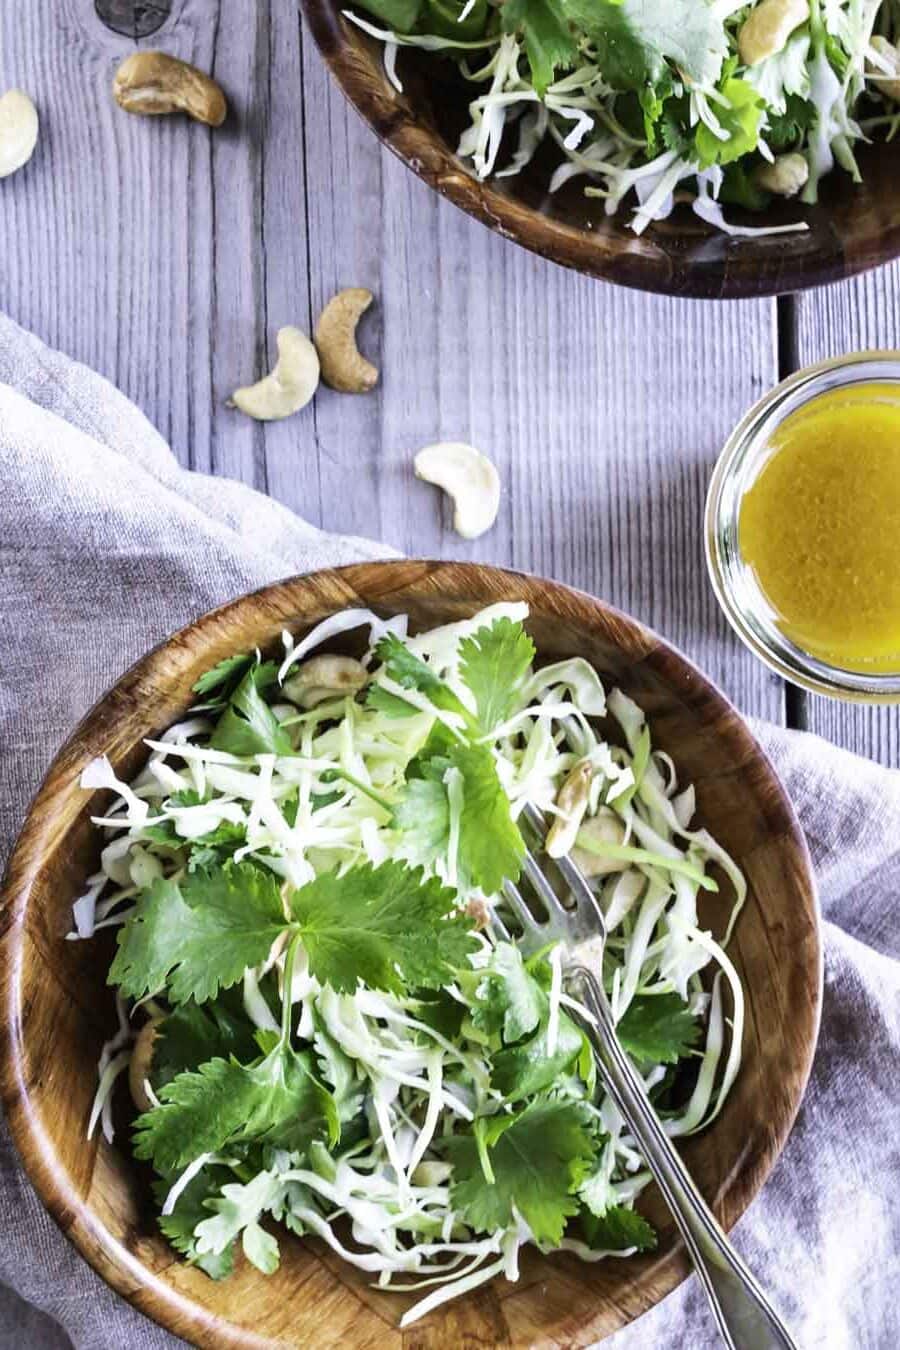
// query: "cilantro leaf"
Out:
[199,934]
[493,664]
[739,188]
[508,1001]
[277,1101]
[248,726]
[338,1069]
[491,848]
[740,118]
[191,1035]
[382,700]
[658,1029]
[618,1229]
[786,130]
[190,1209]
[438,1009]
[635,38]
[519,1071]
[383,925]
[538,1159]
[224,673]
[445,18]
[261,1248]
[399,15]
[422,816]
[511,1004]
[234,1213]
[410,672]
[546,34]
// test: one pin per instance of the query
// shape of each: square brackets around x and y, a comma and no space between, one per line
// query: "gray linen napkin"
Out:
[106,545]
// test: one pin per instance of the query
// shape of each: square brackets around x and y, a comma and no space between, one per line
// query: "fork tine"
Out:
[535,819]
[498,928]
[586,903]
[544,891]
[523,914]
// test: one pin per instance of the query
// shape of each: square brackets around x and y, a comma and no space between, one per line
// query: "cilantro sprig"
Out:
[385,926]
[530,1163]
[277,1101]
[658,1029]
[453,781]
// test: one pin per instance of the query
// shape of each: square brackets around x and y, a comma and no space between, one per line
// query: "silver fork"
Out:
[746,1319]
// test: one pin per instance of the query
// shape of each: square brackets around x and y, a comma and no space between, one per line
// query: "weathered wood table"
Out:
[166,256]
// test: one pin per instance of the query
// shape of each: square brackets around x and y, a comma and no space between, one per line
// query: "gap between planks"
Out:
[796,704]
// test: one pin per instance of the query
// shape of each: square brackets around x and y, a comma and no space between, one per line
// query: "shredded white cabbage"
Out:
[660,96]
[414,1082]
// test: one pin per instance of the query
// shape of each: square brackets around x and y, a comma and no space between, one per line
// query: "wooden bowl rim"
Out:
[607,258]
[123,1271]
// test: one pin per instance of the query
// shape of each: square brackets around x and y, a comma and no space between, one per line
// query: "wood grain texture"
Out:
[50,988]
[861,313]
[166,256]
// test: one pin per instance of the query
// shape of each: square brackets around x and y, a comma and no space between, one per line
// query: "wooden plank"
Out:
[107,234]
[166,255]
[603,409]
[848,317]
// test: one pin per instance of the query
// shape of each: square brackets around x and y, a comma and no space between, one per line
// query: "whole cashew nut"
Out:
[767,28]
[785,176]
[139,1064]
[572,800]
[289,387]
[18,131]
[886,81]
[343,365]
[154,84]
[322,677]
[469,478]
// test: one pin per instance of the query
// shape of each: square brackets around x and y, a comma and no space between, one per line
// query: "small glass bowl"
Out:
[745,606]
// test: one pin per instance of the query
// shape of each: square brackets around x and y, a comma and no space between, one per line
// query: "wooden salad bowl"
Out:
[852,229]
[57,1009]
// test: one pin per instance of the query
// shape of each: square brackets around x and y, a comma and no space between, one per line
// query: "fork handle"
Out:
[746,1319]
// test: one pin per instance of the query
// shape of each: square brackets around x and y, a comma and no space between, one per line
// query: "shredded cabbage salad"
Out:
[653,101]
[314,1017]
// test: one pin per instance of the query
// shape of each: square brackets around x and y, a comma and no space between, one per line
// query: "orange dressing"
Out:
[820,527]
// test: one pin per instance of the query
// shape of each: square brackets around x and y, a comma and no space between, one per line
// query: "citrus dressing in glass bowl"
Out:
[803,528]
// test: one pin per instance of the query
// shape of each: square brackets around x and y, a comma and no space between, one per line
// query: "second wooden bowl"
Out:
[57,1009]
[853,228]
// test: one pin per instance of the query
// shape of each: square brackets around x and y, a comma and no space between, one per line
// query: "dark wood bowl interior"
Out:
[853,228]
[57,1009]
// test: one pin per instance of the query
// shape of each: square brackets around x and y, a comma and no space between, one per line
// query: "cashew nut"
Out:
[139,1065]
[767,28]
[18,131]
[154,83]
[324,676]
[469,478]
[343,366]
[785,176]
[432,1173]
[572,800]
[290,385]
[886,81]
[603,828]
